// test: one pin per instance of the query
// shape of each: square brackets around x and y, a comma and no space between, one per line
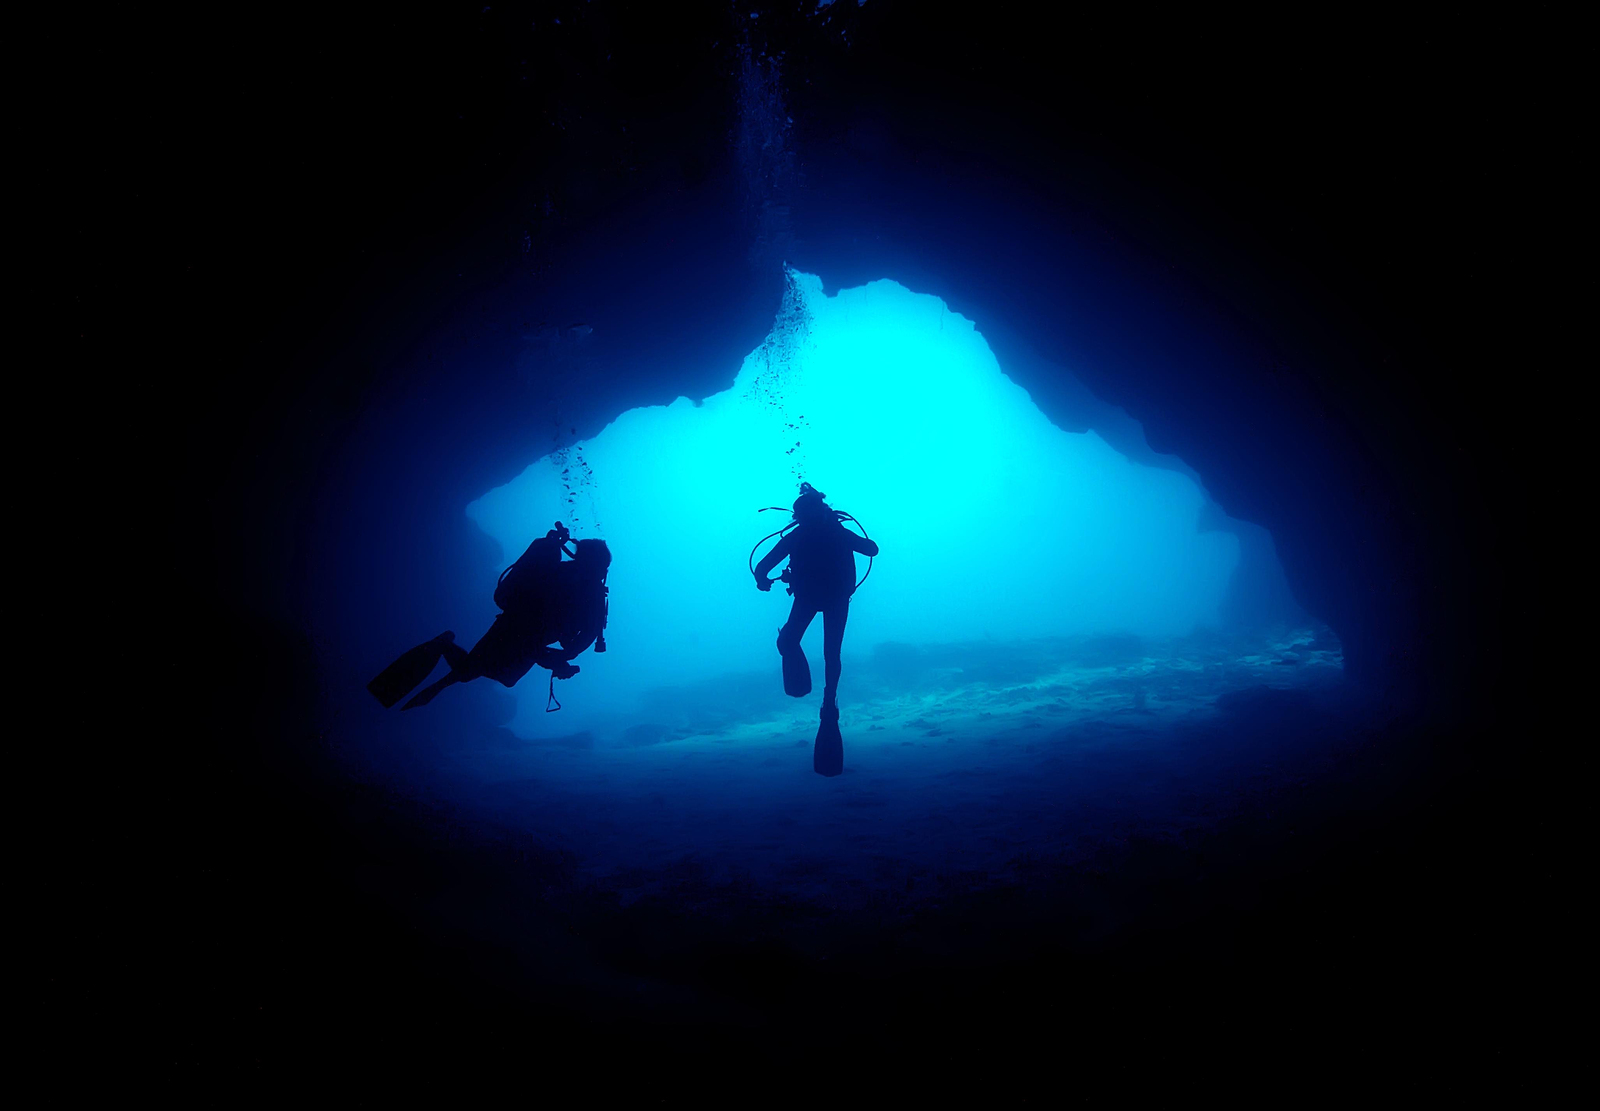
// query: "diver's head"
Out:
[810,506]
[592,557]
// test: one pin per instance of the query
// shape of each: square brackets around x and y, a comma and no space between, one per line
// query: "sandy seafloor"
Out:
[965,766]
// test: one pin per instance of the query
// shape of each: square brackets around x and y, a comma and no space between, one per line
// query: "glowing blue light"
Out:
[993,522]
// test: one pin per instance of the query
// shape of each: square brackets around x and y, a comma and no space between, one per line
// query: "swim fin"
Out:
[401,677]
[827,757]
[796,673]
[429,693]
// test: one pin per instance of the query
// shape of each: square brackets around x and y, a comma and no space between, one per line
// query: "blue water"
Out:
[994,524]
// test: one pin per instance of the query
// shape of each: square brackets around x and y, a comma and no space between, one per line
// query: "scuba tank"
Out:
[529,578]
[526,580]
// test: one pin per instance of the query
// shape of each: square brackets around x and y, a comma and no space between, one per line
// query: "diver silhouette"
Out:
[822,577]
[544,600]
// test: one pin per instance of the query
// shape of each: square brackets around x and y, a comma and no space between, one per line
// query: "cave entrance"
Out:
[1030,577]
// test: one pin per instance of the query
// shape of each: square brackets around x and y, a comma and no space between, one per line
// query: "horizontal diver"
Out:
[552,611]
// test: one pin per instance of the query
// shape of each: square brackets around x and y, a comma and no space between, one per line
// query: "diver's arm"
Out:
[589,629]
[578,646]
[862,544]
[780,552]
[585,636]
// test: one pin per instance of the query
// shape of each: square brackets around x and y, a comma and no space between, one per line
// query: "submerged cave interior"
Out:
[662,875]
[1046,615]
[1001,529]
[695,837]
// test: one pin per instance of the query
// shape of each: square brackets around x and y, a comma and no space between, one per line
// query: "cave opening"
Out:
[1027,570]
[1048,620]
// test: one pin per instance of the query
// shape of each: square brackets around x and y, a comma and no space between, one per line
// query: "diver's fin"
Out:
[827,758]
[398,679]
[796,673]
[428,693]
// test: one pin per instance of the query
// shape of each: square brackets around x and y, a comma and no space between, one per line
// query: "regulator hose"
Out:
[843,516]
[767,537]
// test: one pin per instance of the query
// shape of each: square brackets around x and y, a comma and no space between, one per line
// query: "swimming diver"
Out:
[545,601]
[822,577]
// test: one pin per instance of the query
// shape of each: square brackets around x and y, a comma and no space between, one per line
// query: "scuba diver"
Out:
[545,601]
[822,577]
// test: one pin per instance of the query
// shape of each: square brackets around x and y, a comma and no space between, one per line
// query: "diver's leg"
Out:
[462,670]
[800,615]
[796,670]
[833,622]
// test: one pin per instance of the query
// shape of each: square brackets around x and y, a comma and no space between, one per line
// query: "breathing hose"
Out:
[839,513]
